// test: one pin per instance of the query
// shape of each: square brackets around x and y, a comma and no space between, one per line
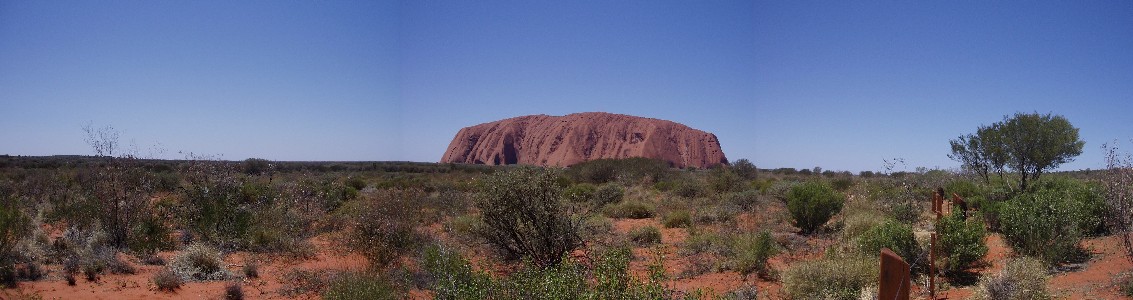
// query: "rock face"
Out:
[563,141]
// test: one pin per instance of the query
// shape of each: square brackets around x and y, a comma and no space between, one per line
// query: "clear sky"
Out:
[837,84]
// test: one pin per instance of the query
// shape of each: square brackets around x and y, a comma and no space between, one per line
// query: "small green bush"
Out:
[746,200]
[524,216]
[608,194]
[813,203]
[890,234]
[1022,278]
[1050,221]
[689,188]
[716,214]
[724,180]
[452,277]
[830,278]
[751,253]
[360,286]
[199,262]
[580,193]
[961,242]
[629,210]
[677,218]
[645,236]
[707,242]
[842,184]
[385,227]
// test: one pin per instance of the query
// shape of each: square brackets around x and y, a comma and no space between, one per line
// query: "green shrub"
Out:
[813,203]
[1022,278]
[965,188]
[452,277]
[745,169]
[716,213]
[645,236]
[751,253]
[707,242]
[723,180]
[14,226]
[1050,221]
[677,218]
[746,200]
[689,188]
[890,234]
[961,242]
[151,235]
[608,194]
[842,184]
[630,210]
[199,262]
[524,216]
[360,286]
[385,227]
[580,193]
[830,278]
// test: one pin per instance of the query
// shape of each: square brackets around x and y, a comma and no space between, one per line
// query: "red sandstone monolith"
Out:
[543,140]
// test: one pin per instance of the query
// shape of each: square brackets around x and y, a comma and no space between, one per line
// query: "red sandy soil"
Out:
[140,285]
[1097,278]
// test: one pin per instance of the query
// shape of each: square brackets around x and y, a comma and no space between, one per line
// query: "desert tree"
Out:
[744,168]
[1028,144]
[1118,179]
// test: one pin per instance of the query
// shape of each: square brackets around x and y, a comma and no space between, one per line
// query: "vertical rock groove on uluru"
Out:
[566,140]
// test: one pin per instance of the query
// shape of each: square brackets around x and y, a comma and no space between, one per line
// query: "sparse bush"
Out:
[452,277]
[717,213]
[165,280]
[360,286]
[645,236]
[961,242]
[1048,223]
[199,262]
[707,242]
[608,194]
[746,200]
[689,188]
[1022,278]
[842,184]
[677,218]
[889,234]
[751,253]
[385,225]
[629,209]
[723,180]
[830,278]
[233,291]
[580,193]
[744,168]
[251,269]
[524,216]
[813,203]
[745,292]
[14,225]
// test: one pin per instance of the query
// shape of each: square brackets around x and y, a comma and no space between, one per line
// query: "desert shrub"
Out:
[746,200]
[842,184]
[633,170]
[830,278]
[14,225]
[214,208]
[167,280]
[356,182]
[745,169]
[630,210]
[608,194]
[251,269]
[256,166]
[579,193]
[360,286]
[780,189]
[961,242]
[813,203]
[595,226]
[385,225]
[707,242]
[751,252]
[964,188]
[233,291]
[744,292]
[645,236]
[524,217]
[689,188]
[889,234]
[199,262]
[151,235]
[716,213]
[723,180]
[1050,221]
[1022,278]
[452,277]
[677,218]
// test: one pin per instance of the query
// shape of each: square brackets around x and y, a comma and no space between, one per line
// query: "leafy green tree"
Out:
[813,203]
[744,168]
[1028,144]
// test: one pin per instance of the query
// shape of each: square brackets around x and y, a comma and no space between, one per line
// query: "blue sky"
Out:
[841,85]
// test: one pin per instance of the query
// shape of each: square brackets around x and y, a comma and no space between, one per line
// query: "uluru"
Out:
[544,140]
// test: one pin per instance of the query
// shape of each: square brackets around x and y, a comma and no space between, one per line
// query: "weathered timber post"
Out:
[894,281]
